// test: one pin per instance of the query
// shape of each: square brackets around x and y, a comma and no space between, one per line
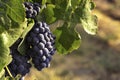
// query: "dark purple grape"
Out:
[40,52]
[20,68]
[35,48]
[46,37]
[43,58]
[36,30]
[35,40]
[43,64]
[40,36]
[41,45]
[52,52]
[33,34]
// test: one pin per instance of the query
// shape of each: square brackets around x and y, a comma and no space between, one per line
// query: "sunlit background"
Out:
[98,57]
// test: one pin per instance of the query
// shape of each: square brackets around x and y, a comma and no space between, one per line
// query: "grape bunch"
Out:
[41,45]
[20,63]
[32,10]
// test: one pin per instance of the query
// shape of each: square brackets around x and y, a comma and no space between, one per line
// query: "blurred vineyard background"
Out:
[98,57]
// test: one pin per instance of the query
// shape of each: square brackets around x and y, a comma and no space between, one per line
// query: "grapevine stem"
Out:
[9,71]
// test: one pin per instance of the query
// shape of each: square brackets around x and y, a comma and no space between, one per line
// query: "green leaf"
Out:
[5,58]
[75,3]
[2,74]
[16,31]
[44,1]
[90,25]
[4,19]
[60,9]
[88,21]
[3,78]
[48,14]
[1,29]
[14,9]
[7,38]
[22,46]
[28,28]
[67,39]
